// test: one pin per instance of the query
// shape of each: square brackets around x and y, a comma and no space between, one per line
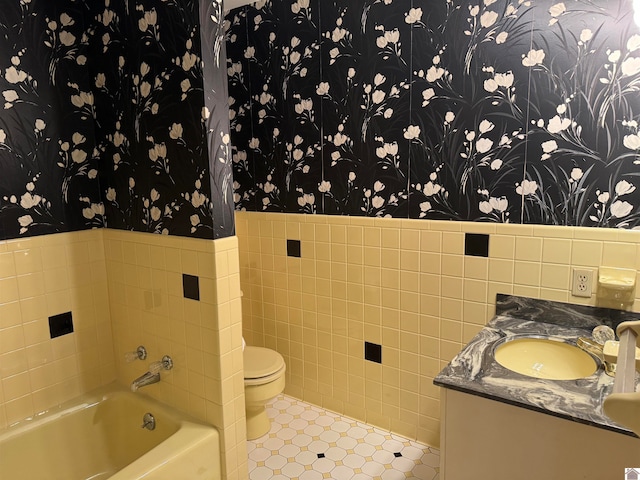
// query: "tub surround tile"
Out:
[194,316]
[61,324]
[191,286]
[45,277]
[475,371]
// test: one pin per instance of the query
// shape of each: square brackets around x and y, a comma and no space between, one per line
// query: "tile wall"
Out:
[404,284]
[124,289]
[42,277]
[203,336]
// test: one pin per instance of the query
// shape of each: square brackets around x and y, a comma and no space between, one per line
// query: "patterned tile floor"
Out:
[308,443]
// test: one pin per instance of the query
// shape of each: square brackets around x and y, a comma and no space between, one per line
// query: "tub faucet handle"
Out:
[139,354]
[165,364]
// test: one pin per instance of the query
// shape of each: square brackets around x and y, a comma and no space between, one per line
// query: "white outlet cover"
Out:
[582,282]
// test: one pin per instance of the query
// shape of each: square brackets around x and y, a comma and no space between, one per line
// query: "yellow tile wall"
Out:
[124,289]
[405,284]
[202,337]
[41,277]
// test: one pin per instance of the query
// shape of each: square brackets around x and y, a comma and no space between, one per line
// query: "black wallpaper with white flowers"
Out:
[516,111]
[106,121]
[48,167]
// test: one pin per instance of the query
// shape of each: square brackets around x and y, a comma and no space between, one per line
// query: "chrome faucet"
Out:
[147,378]
[153,375]
[595,346]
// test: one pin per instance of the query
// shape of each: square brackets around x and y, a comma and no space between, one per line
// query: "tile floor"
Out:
[308,443]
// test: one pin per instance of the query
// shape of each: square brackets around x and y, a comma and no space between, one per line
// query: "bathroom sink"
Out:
[545,358]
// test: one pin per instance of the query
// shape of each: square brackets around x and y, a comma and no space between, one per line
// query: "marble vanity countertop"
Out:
[475,371]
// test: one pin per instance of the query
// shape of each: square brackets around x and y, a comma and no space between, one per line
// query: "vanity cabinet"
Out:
[490,440]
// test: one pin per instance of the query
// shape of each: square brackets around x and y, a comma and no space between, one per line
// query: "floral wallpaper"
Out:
[216,113]
[520,111]
[49,180]
[105,120]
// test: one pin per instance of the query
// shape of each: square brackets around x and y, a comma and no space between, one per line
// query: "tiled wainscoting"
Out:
[406,285]
[181,297]
[41,277]
[123,289]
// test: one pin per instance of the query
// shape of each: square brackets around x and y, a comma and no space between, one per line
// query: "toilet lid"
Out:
[261,362]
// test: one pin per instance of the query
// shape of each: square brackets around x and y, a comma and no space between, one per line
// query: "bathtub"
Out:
[100,436]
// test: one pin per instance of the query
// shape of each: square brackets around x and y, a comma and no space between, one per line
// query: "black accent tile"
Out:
[191,286]
[373,352]
[397,454]
[321,455]
[61,324]
[293,248]
[476,244]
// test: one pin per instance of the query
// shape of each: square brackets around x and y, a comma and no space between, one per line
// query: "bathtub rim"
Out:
[87,400]
[193,437]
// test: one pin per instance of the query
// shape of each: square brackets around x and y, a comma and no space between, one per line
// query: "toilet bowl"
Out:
[263,380]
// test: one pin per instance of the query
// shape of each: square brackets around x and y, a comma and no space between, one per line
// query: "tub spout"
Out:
[144,380]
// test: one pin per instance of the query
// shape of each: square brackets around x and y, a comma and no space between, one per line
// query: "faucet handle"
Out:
[165,364]
[139,354]
[603,333]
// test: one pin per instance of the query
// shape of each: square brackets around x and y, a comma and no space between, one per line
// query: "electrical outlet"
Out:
[582,282]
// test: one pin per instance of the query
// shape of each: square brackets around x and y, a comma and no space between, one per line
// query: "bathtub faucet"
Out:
[153,375]
[146,379]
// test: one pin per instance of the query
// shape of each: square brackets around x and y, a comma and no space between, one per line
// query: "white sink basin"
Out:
[545,358]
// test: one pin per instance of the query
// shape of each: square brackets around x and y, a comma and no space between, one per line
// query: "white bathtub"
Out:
[100,436]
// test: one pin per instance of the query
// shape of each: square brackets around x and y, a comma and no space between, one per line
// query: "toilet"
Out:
[263,380]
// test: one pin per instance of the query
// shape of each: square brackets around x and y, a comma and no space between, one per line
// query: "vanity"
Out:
[499,424]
